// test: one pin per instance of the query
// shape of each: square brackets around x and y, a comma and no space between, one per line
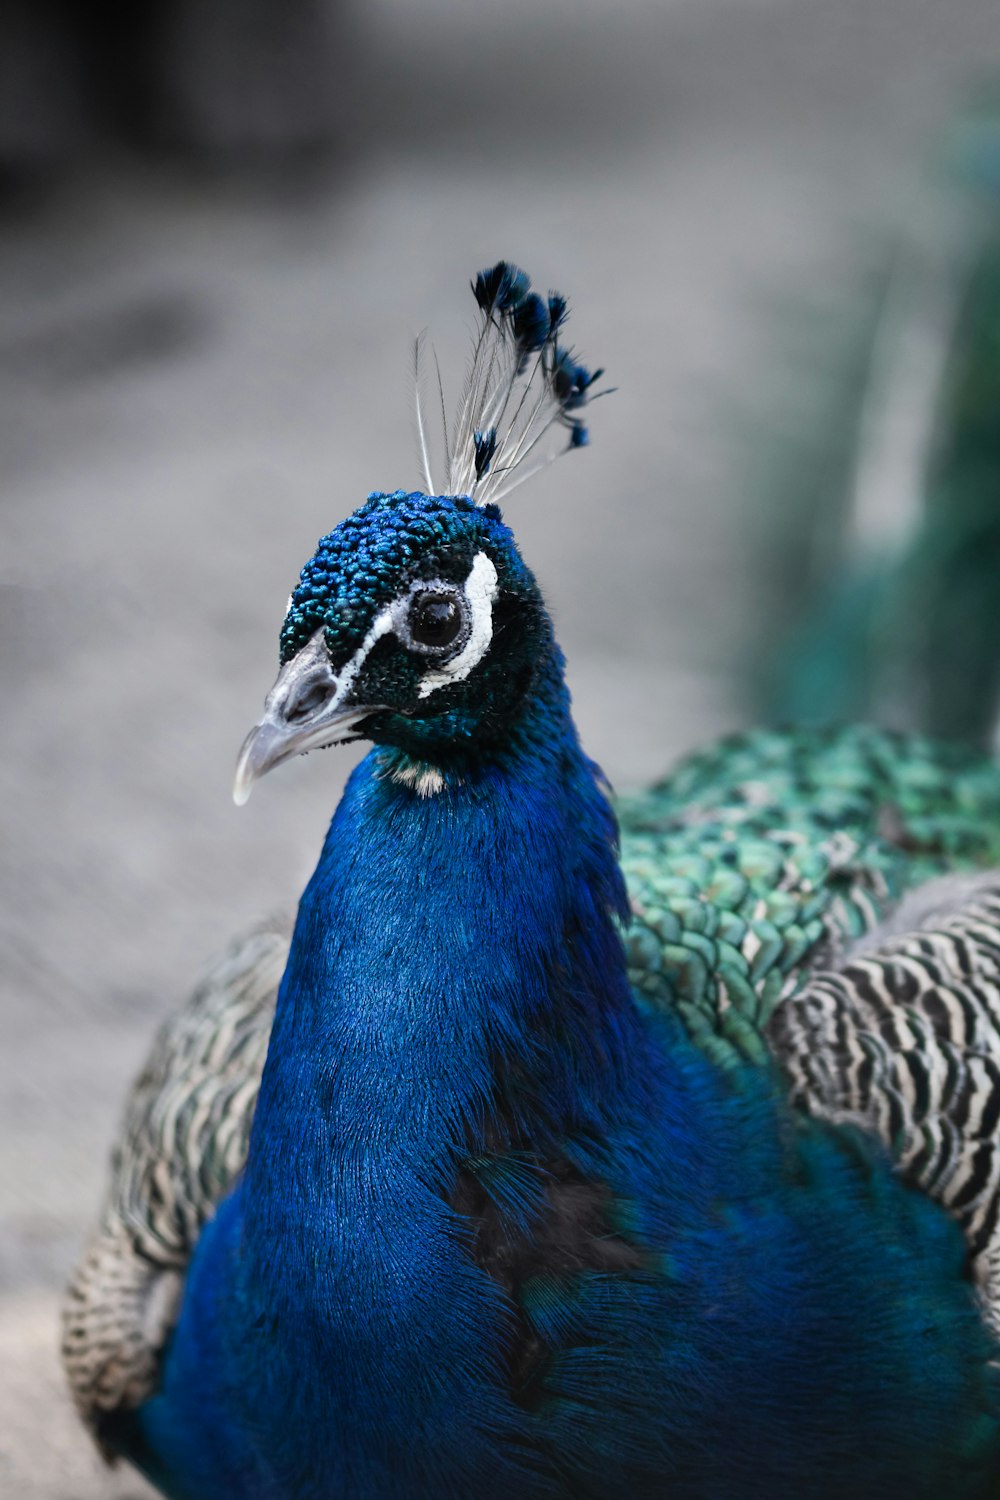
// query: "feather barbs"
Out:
[523,397]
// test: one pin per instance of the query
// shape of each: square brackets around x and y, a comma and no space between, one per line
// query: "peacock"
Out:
[562,1148]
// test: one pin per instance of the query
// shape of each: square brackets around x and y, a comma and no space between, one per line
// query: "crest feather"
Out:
[523,394]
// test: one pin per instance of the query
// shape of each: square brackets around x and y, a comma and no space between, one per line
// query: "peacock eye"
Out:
[434,620]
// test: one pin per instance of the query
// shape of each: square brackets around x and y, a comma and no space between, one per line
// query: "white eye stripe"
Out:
[480,590]
[381,625]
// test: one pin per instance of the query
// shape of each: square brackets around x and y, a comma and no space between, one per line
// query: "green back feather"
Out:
[762,856]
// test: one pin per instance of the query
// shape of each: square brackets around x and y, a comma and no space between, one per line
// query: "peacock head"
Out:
[416,623]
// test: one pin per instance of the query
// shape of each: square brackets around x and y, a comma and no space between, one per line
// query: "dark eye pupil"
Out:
[434,620]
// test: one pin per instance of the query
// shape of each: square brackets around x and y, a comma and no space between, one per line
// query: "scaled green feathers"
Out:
[759,858]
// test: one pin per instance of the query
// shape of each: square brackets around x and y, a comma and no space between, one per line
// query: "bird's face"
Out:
[415,624]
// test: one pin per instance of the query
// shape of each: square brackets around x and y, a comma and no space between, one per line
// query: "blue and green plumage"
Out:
[760,854]
[526,1205]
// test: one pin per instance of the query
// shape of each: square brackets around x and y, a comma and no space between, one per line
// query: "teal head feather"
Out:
[408,597]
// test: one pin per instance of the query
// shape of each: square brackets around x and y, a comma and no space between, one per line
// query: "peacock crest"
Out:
[524,393]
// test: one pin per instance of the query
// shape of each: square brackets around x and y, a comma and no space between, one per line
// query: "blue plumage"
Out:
[505,1228]
[500,288]
[456,988]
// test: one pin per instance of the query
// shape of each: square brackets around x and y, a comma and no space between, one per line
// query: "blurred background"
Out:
[222,222]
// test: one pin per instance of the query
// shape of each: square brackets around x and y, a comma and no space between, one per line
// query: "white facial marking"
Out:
[381,625]
[480,591]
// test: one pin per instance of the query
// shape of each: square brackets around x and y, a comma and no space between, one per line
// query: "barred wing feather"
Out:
[182,1144]
[904,1039]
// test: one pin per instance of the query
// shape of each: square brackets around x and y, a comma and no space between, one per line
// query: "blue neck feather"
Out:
[466,946]
[456,985]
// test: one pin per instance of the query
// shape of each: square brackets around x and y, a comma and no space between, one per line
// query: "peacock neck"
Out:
[456,981]
[455,987]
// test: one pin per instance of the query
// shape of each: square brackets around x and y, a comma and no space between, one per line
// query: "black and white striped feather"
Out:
[904,1039]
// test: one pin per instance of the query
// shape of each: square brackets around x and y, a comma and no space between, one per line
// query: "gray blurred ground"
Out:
[197,379]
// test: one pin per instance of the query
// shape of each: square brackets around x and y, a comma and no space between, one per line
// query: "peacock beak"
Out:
[304,710]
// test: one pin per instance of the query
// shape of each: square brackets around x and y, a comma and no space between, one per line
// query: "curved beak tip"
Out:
[247,769]
[303,711]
